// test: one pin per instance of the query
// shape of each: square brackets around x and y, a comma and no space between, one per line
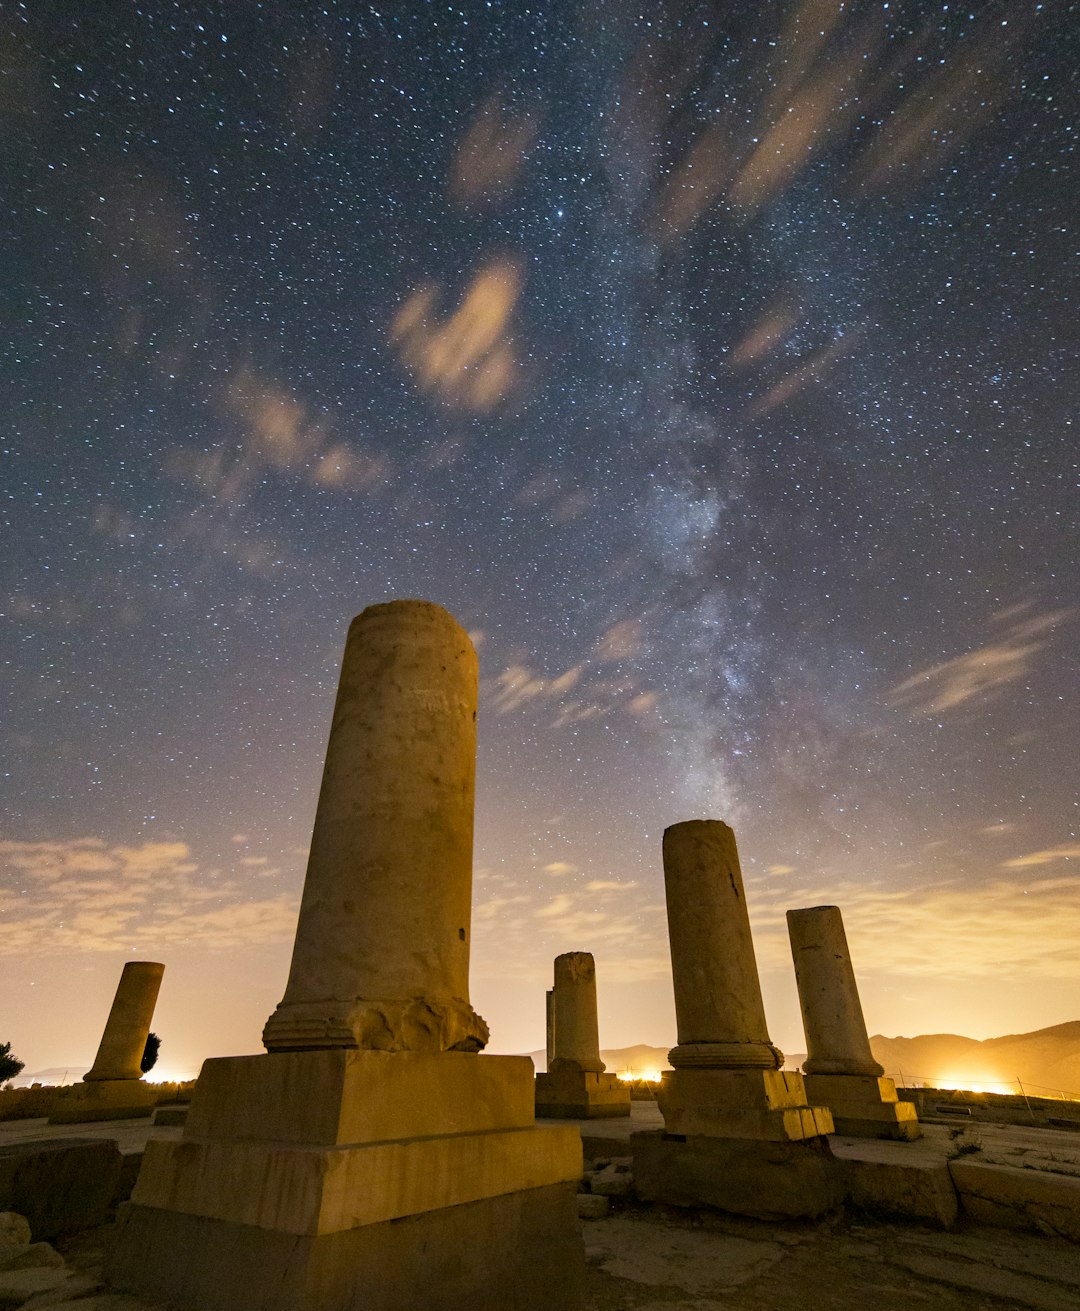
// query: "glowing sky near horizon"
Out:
[714,365]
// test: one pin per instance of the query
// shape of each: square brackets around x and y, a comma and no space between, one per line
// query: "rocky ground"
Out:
[645,1258]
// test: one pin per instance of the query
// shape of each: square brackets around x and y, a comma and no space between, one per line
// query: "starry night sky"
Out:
[714,364]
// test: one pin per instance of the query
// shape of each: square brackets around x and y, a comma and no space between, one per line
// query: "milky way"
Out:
[715,366]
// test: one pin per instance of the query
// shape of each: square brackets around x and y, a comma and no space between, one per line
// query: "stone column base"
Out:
[864,1106]
[103,1099]
[767,1180]
[767,1105]
[569,1094]
[357,1181]
[517,1251]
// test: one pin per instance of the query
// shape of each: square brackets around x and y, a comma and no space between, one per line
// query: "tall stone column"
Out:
[575,1028]
[381,958]
[372,1156]
[122,1044]
[840,1067]
[740,1134]
[718,1006]
[575,1086]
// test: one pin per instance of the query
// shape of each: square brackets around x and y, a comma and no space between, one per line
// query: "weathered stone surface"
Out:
[14,1229]
[591,1206]
[836,1038]
[515,1252]
[919,1189]
[340,1096]
[61,1186]
[767,1180]
[574,1037]
[115,1099]
[120,1053]
[171,1117]
[571,1094]
[718,1006]
[754,1103]
[30,1256]
[18,1286]
[614,1180]
[381,958]
[1018,1199]
[864,1106]
[325,1190]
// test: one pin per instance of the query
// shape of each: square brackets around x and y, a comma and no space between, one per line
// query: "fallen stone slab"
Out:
[1019,1199]
[919,1189]
[30,1256]
[991,1281]
[60,1185]
[18,1286]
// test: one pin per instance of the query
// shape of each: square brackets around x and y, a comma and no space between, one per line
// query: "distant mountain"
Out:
[620,1060]
[1046,1061]
[54,1075]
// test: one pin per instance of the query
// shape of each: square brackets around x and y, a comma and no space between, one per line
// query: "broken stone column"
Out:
[575,1086]
[112,1088]
[381,958]
[740,1134]
[371,1158]
[840,1070]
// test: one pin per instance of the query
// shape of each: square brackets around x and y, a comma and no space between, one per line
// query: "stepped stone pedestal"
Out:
[113,1089]
[739,1133]
[576,1086]
[840,1070]
[372,1160]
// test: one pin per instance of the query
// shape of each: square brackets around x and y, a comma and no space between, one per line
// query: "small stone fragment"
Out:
[592,1207]
[14,1229]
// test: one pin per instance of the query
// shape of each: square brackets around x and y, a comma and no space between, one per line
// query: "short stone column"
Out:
[741,1135]
[840,1068]
[381,958]
[575,1086]
[111,1089]
[372,1156]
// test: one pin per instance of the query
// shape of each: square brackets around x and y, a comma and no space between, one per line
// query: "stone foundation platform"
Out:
[580,1095]
[863,1106]
[761,1105]
[767,1180]
[103,1099]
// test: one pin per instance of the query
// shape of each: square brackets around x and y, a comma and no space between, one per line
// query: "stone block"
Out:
[864,1106]
[342,1096]
[171,1117]
[753,1104]
[614,1180]
[14,1229]
[591,1206]
[921,1189]
[104,1099]
[517,1252]
[569,1094]
[1013,1198]
[18,1286]
[770,1180]
[30,1256]
[321,1190]
[60,1185]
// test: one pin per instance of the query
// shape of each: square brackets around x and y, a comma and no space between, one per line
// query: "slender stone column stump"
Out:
[575,1086]
[739,1132]
[113,1089]
[372,1160]
[840,1070]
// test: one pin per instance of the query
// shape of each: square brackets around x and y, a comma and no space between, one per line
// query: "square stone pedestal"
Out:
[766,1105]
[102,1099]
[569,1094]
[863,1106]
[357,1181]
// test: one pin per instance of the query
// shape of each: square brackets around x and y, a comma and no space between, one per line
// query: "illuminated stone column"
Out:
[113,1089]
[740,1134]
[122,1044]
[575,1086]
[381,958]
[840,1068]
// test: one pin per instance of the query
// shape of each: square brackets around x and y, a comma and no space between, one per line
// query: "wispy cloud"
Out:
[89,895]
[980,672]
[1048,856]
